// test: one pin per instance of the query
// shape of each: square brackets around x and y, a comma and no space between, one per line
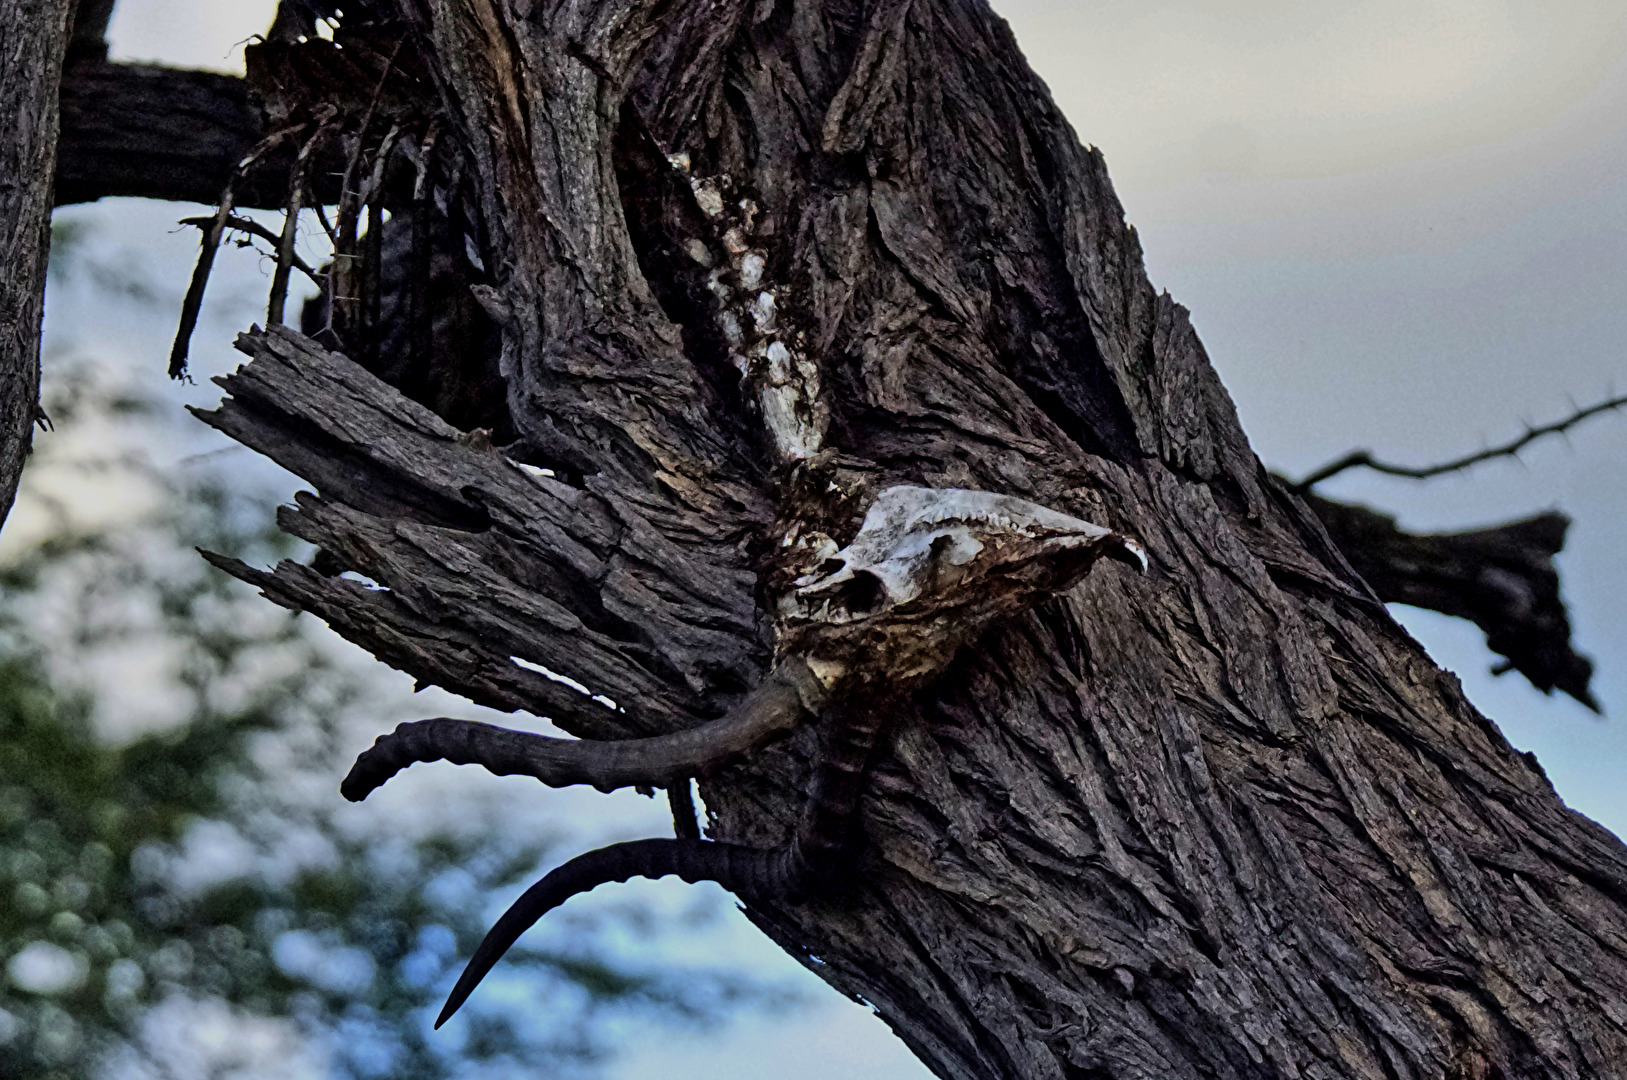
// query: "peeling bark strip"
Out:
[1224,820]
[33,39]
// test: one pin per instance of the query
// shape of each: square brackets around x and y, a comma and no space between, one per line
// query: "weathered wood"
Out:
[1225,820]
[553,575]
[1503,579]
[33,40]
[152,132]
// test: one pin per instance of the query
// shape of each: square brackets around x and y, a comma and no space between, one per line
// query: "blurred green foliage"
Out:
[166,887]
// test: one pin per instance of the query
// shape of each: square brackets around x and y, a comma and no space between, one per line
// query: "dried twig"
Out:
[681,800]
[254,228]
[343,232]
[1365,459]
[372,107]
[193,304]
[322,220]
[373,256]
[290,225]
[343,294]
[422,325]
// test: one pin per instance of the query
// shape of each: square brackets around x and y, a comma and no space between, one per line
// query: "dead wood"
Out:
[152,132]
[1503,579]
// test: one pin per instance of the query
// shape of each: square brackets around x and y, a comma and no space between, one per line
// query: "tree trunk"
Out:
[1224,820]
[33,40]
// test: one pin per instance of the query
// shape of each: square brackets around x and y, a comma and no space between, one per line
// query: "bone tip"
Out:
[1131,550]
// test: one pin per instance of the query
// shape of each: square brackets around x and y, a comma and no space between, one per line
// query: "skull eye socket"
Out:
[860,594]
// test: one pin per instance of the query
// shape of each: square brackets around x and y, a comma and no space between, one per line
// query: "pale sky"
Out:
[1398,223]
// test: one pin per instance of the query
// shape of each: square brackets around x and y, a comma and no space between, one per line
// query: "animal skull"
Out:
[928,570]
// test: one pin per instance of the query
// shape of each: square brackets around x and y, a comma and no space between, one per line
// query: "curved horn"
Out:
[789,694]
[742,870]
[808,862]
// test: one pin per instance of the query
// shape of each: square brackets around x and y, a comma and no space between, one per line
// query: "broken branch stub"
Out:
[482,560]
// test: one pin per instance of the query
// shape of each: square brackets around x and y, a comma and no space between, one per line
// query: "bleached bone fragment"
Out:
[762,312]
[698,251]
[707,197]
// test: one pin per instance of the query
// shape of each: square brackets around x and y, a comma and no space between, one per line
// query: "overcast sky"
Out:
[1399,224]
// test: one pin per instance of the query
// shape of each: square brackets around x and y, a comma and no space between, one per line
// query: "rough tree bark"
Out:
[1225,820]
[33,41]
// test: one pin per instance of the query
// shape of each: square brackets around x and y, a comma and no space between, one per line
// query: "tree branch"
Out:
[89,38]
[1365,459]
[1503,579]
[254,228]
[160,133]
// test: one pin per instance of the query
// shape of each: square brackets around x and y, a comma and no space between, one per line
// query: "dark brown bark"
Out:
[151,132]
[88,38]
[1224,820]
[157,133]
[33,39]
[1503,579]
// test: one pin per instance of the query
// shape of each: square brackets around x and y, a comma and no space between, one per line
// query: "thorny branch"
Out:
[347,279]
[1365,459]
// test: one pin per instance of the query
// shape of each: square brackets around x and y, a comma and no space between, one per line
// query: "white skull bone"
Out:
[931,566]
